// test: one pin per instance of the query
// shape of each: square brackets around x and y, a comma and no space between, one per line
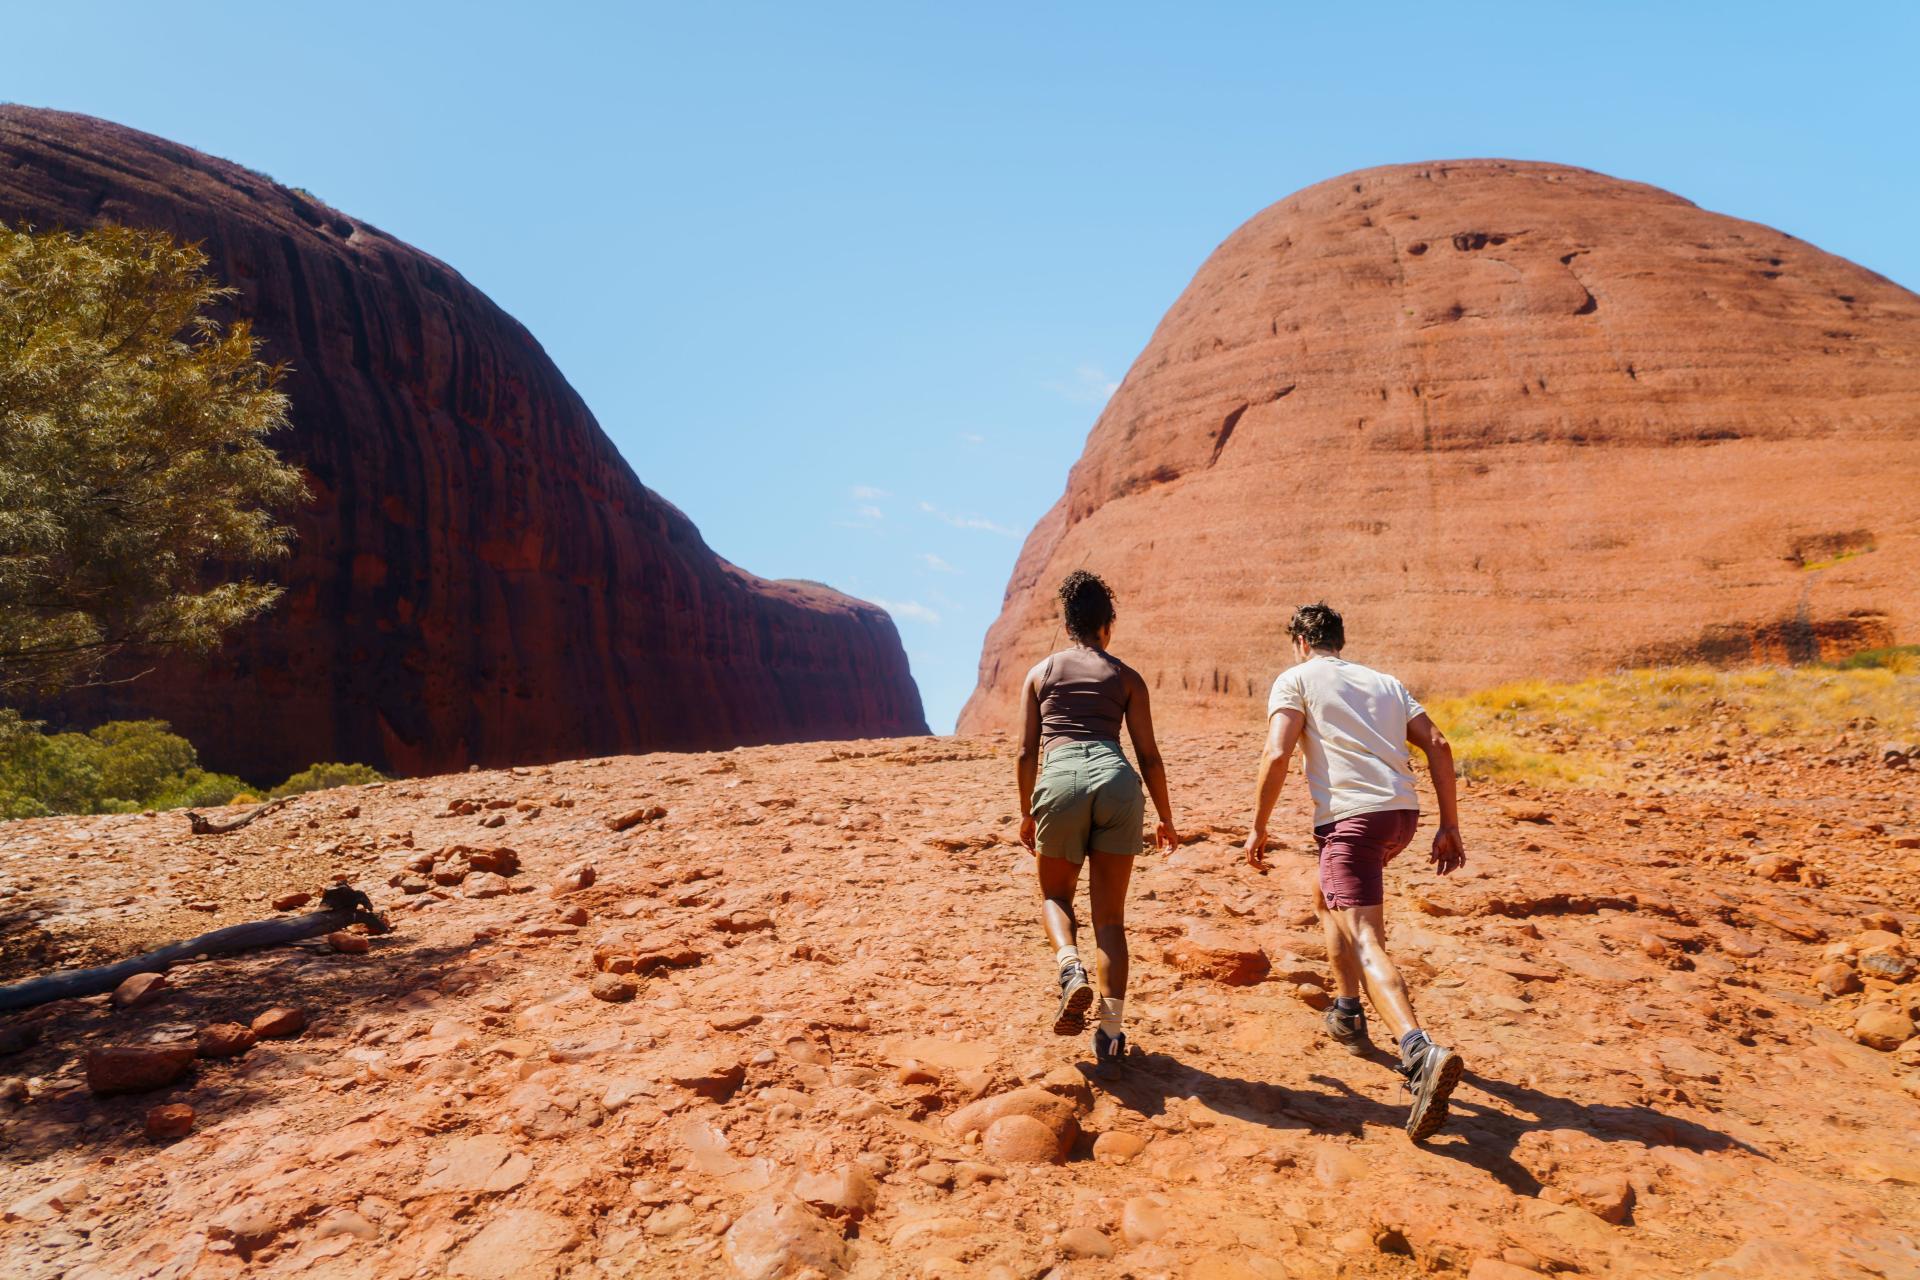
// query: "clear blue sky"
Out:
[850,283]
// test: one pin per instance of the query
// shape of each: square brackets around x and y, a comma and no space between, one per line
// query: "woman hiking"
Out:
[1086,805]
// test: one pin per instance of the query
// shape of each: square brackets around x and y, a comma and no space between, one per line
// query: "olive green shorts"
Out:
[1087,798]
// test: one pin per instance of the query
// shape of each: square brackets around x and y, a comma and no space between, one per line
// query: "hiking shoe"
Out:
[1076,997]
[1109,1055]
[1431,1077]
[1349,1031]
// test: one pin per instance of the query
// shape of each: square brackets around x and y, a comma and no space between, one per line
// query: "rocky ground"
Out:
[791,1019]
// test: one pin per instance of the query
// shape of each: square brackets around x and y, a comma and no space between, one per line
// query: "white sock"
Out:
[1110,1007]
[1067,955]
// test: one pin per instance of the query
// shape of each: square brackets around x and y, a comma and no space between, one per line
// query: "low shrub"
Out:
[321,777]
[1901,659]
[1579,731]
[126,766]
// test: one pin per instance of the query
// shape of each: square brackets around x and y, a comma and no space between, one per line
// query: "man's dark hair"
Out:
[1319,625]
[1087,605]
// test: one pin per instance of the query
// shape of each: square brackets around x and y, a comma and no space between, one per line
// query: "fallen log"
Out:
[208,827]
[345,906]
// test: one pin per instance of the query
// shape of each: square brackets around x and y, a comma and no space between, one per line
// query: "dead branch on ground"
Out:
[208,827]
[344,906]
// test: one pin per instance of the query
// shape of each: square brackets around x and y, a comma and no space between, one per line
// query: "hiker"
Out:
[1086,806]
[1356,724]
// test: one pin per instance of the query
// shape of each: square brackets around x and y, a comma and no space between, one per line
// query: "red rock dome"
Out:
[481,578]
[1515,420]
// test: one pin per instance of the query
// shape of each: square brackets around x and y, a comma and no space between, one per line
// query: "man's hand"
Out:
[1449,854]
[1165,837]
[1257,849]
[1027,832]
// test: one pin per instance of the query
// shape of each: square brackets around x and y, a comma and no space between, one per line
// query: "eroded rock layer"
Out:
[480,578]
[1515,420]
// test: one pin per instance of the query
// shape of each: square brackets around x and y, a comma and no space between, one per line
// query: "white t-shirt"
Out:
[1356,736]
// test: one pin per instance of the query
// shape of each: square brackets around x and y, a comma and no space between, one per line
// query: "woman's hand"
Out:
[1027,832]
[1449,854]
[1164,836]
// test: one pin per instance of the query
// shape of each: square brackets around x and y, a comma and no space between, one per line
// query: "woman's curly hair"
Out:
[1086,603]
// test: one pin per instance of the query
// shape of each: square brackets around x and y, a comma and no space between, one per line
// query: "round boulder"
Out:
[1018,1139]
[1883,1027]
[1058,1115]
[613,987]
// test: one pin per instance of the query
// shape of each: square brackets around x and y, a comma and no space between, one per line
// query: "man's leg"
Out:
[1346,1020]
[1349,873]
[1340,950]
[1351,867]
[1364,942]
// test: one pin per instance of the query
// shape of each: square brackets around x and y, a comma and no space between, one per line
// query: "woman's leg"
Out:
[1059,880]
[1107,879]
[1107,883]
[1058,877]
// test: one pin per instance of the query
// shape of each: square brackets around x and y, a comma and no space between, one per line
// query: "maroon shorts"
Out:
[1355,851]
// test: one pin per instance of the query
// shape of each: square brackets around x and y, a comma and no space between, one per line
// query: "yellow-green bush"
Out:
[320,777]
[1506,731]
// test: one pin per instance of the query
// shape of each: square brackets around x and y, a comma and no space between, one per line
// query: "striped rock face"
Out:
[480,577]
[1513,420]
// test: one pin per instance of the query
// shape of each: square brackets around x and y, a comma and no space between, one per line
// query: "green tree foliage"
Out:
[135,480]
[124,767]
[139,757]
[320,777]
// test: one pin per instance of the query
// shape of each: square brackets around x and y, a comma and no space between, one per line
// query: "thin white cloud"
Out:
[966,522]
[864,516]
[867,493]
[1090,384]
[935,563]
[973,438]
[909,609]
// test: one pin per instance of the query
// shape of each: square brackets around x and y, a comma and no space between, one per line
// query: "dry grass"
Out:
[1579,733]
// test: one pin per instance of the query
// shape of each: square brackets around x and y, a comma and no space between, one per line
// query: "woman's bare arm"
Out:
[1153,769]
[1028,767]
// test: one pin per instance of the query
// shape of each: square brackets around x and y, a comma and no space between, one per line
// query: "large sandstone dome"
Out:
[1514,419]
[481,577]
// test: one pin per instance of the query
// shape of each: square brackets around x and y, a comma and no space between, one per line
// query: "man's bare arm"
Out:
[1283,734]
[1449,851]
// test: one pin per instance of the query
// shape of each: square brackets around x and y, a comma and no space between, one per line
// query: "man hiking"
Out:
[1356,724]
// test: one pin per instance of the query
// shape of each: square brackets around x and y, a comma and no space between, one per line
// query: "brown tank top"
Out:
[1083,697]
